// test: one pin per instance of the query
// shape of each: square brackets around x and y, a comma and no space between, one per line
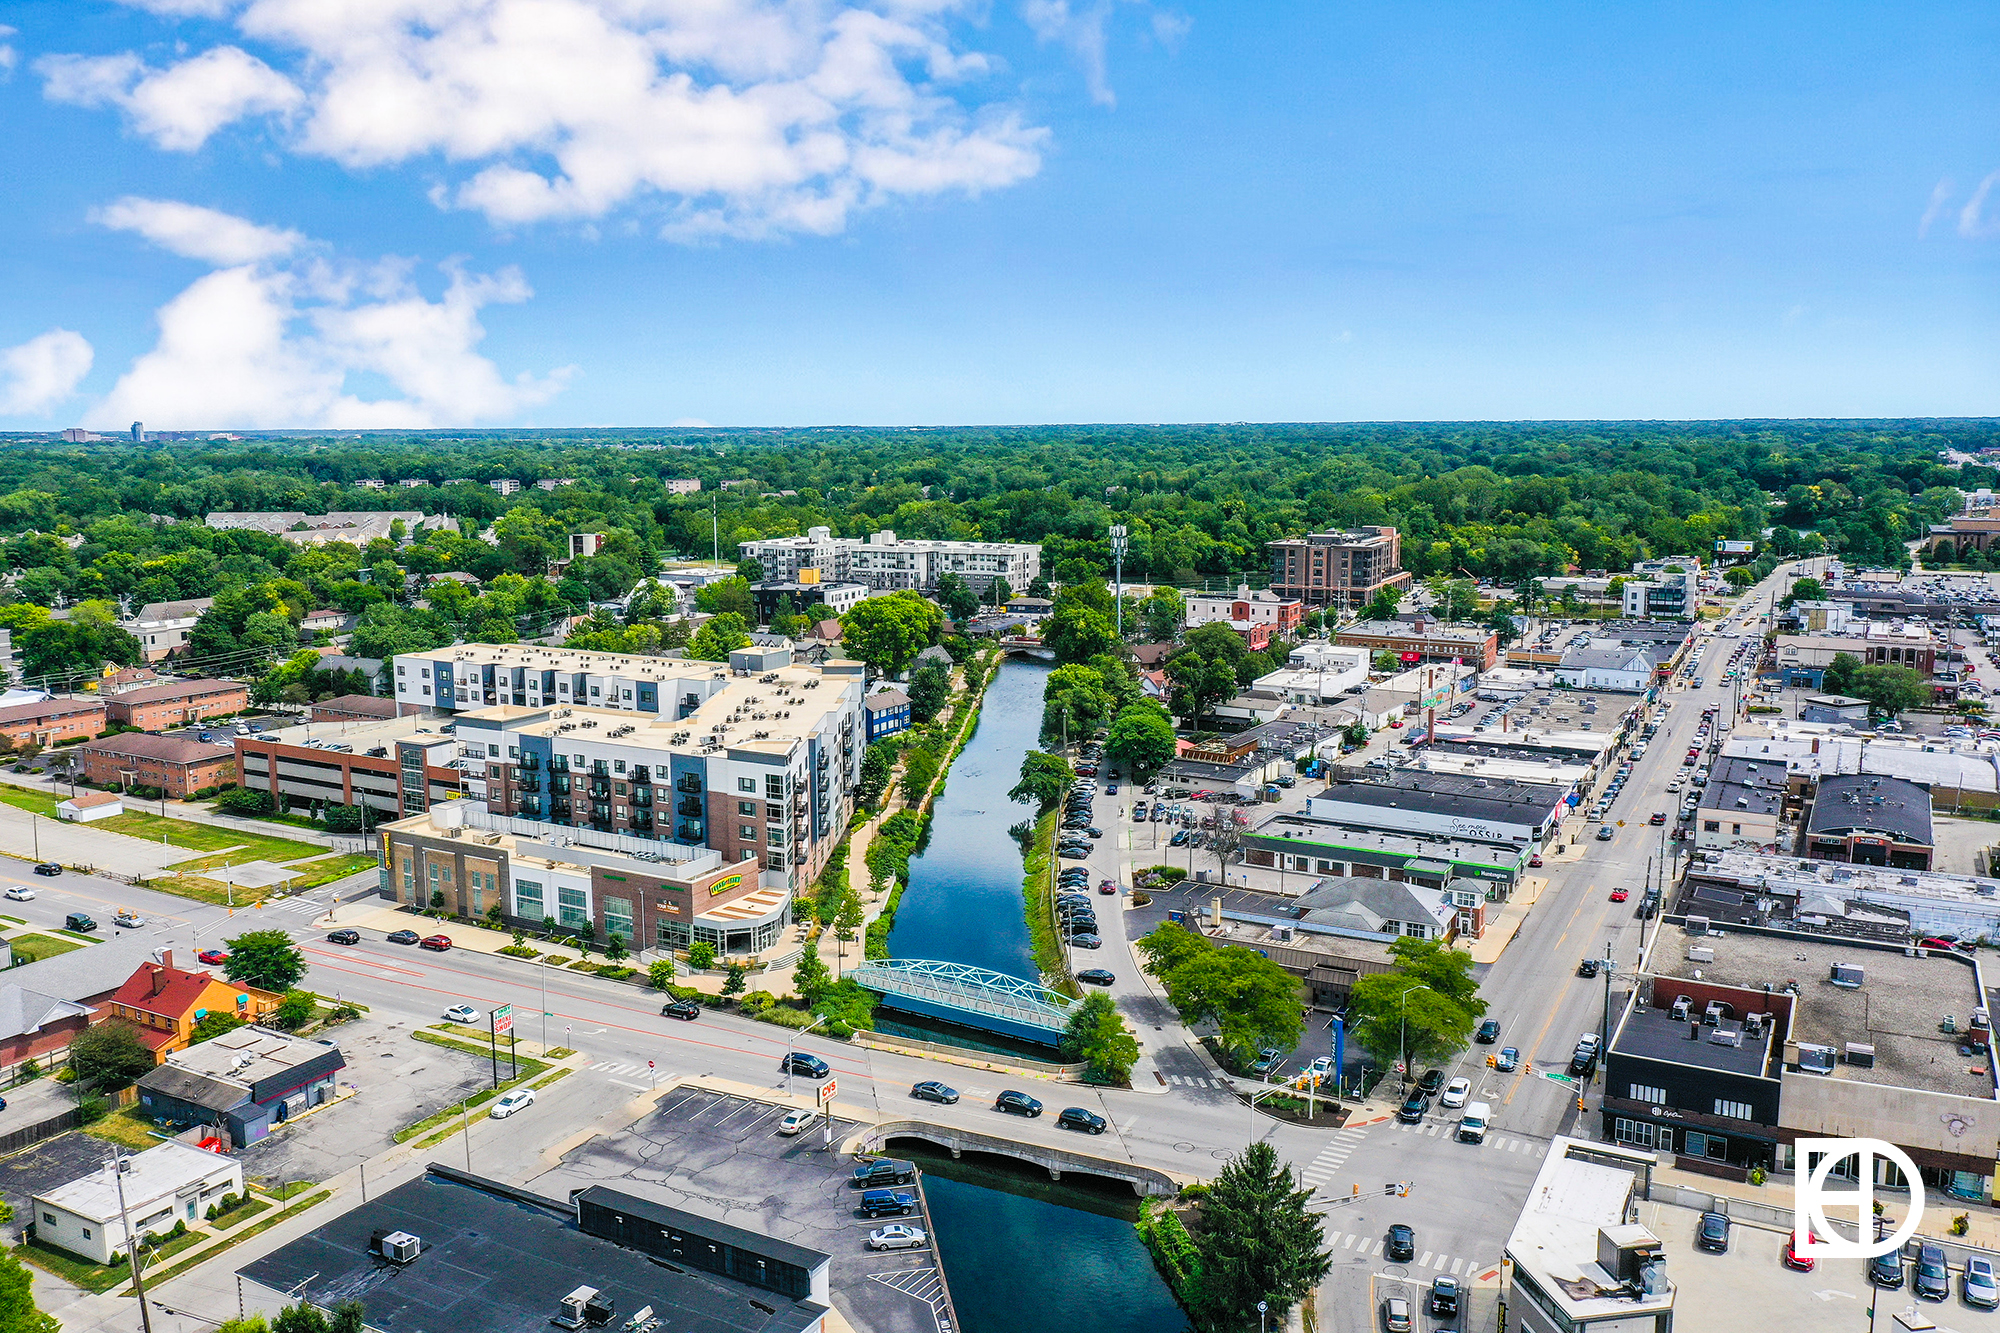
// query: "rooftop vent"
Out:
[398,1247]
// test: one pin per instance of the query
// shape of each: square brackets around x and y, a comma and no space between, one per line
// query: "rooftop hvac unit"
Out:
[1848,975]
[1725,1037]
[1683,1004]
[398,1247]
[1815,1059]
[1700,953]
[1861,1055]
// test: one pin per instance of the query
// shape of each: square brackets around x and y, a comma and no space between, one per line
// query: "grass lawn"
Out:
[71,1268]
[202,880]
[127,1126]
[24,798]
[34,948]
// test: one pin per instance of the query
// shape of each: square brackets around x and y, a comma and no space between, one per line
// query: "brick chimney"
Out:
[159,980]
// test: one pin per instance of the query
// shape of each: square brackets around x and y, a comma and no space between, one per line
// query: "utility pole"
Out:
[131,1243]
[1118,533]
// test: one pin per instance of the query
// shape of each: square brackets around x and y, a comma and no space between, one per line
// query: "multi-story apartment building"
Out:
[174,702]
[1259,616]
[683,485]
[1342,569]
[173,764]
[162,627]
[505,485]
[885,563]
[51,720]
[696,822]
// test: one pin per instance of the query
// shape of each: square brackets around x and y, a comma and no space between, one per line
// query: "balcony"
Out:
[528,784]
[560,786]
[642,773]
[600,788]
[688,782]
[642,822]
[530,763]
[690,806]
[688,832]
[643,798]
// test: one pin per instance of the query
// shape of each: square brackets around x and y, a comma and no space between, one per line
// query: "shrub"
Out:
[614,973]
[660,976]
[701,955]
[1960,1223]
[244,802]
[756,1001]
[558,959]
[521,951]
[848,1007]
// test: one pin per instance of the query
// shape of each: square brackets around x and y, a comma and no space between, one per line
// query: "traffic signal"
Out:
[1405,1191]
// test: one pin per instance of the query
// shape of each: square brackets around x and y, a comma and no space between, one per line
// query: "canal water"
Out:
[1023,1254]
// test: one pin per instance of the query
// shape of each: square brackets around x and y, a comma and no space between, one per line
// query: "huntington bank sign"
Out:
[1812,1236]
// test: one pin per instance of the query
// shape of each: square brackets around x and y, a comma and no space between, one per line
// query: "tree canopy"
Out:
[266,959]
[1252,1001]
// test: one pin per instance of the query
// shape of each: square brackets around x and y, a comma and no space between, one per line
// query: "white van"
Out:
[1472,1125]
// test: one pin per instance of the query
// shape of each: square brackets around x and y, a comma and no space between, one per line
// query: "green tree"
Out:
[750,570]
[1252,1001]
[1141,739]
[848,921]
[17,1301]
[1260,1240]
[718,637]
[109,1055]
[299,1318]
[211,1025]
[244,801]
[810,978]
[1385,663]
[878,763]
[1892,689]
[886,632]
[701,955]
[350,1316]
[1044,779]
[1385,605]
[58,648]
[1162,613]
[1077,633]
[930,690]
[295,1010]
[1739,578]
[266,959]
[1805,590]
[1075,702]
[1096,1035]
[1196,684]
[727,597]
[1440,1016]
[960,602]
[735,979]
[1355,735]
[1838,678]
[1000,593]
[1501,621]
[255,1323]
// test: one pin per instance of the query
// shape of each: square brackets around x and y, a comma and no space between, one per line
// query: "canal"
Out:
[1023,1254]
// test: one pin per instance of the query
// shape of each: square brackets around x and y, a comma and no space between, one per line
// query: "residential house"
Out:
[165,1003]
[162,627]
[888,713]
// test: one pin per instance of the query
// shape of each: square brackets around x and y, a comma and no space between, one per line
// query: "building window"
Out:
[746,832]
[48,1219]
[571,909]
[618,917]
[1416,930]
[1711,826]
[1734,1110]
[748,809]
[776,837]
[747,784]
[1639,1092]
[528,900]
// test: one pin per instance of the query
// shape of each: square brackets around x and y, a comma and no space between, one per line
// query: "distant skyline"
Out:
[244,214]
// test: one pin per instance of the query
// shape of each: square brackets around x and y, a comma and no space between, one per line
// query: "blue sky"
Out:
[245,213]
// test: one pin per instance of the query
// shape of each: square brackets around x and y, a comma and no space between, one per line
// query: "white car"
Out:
[512,1102]
[795,1121]
[896,1236]
[461,1013]
[1456,1092]
[21,893]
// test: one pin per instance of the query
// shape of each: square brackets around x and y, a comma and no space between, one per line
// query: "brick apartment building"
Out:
[176,702]
[51,720]
[176,765]
[395,777]
[1425,641]
[1343,569]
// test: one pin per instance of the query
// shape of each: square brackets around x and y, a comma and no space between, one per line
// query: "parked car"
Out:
[1444,1298]
[461,1013]
[930,1090]
[212,957]
[1095,976]
[800,1062]
[1712,1233]
[1933,1279]
[1085,942]
[1396,1315]
[1981,1287]
[896,1236]
[511,1102]
[1400,1246]
[1432,1080]
[1413,1110]
[685,1010]
[435,943]
[888,1203]
[404,937]
[884,1171]
[1792,1259]
[1077,1118]
[1017,1103]
[795,1122]
[1886,1270]
[343,936]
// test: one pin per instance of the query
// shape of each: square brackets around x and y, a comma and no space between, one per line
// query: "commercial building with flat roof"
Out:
[243,1082]
[1339,569]
[391,767]
[1869,820]
[1577,1260]
[1470,806]
[1424,640]
[1302,845]
[1877,902]
[1743,805]
[161,1186]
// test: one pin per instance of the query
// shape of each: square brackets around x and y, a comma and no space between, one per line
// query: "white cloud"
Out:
[1083,27]
[1940,196]
[722,116]
[281,340]
[8,58]
[40,373]
[196,232]
[1972,222]
[180,106]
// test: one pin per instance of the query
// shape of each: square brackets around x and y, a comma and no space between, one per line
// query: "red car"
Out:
[1535,861]
[1793,1259]
[213,957]
[1618,895]
[438,942]
[1108,886]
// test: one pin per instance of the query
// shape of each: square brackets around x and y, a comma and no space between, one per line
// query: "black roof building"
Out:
[495,1259]
[1870,819]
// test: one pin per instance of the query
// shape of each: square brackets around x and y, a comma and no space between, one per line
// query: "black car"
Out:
[888,1203]
[1095,976]
[1017,1103]
[1444,1296]
[1932,1280]
[79,921]
[1587,968]
[685,1010]
[884,1171]
[1489,1032]
[1075,1117]
[1401,1245]
[343,936]
[1431,1083]
[403,937]
[798,1062]
[1712,1233]
[1886,1270]
[930,1090]
[1412,1111]
[47,868]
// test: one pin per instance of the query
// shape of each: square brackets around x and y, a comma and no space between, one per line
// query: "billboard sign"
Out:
[503,1019]
[1735,548]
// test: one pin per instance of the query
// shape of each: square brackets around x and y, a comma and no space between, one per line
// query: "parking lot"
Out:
[394,1080]
[722,1157]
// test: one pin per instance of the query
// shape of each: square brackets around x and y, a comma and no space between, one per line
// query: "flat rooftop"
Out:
[1898,1007]
[154,1173]
[271,1053]
[1299,833]
[1791,876]
[361,734]
[1581,1189]
[1655,1034]
[1467,795]
[493,1264]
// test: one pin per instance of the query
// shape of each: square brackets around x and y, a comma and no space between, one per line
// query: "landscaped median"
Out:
[441,1125]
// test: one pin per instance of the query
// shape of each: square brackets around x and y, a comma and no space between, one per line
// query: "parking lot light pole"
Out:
[793,1047]
[1403,1041]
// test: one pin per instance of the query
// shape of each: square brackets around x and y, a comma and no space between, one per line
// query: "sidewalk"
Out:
[1982,1220]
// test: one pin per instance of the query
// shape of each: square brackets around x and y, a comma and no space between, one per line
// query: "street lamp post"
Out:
[788,1053]
[1262,1307]
[1403,1041]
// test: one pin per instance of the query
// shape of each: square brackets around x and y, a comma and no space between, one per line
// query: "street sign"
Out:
[503,1019]
[826,1091]
[1559,1078]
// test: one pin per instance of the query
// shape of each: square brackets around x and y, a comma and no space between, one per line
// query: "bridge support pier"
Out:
[1054,1174]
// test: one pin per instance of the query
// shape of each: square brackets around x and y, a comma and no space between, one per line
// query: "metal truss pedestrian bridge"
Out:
[970,996]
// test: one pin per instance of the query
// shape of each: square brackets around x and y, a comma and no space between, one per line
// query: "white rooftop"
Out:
[1576,1194]
[157,1173]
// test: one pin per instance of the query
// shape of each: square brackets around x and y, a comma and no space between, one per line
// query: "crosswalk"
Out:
[300,906]
[1350,1245]
[613,1067]
[1189,1081]
[1331,1158]
[1494,1142]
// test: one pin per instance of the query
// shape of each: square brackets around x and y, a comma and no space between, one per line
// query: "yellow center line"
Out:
[1585,897]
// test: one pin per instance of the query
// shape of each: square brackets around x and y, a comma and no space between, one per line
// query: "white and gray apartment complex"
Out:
[664,800]
[886,563]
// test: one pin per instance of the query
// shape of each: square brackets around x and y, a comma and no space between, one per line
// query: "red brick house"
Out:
[176,765]
[177,701]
